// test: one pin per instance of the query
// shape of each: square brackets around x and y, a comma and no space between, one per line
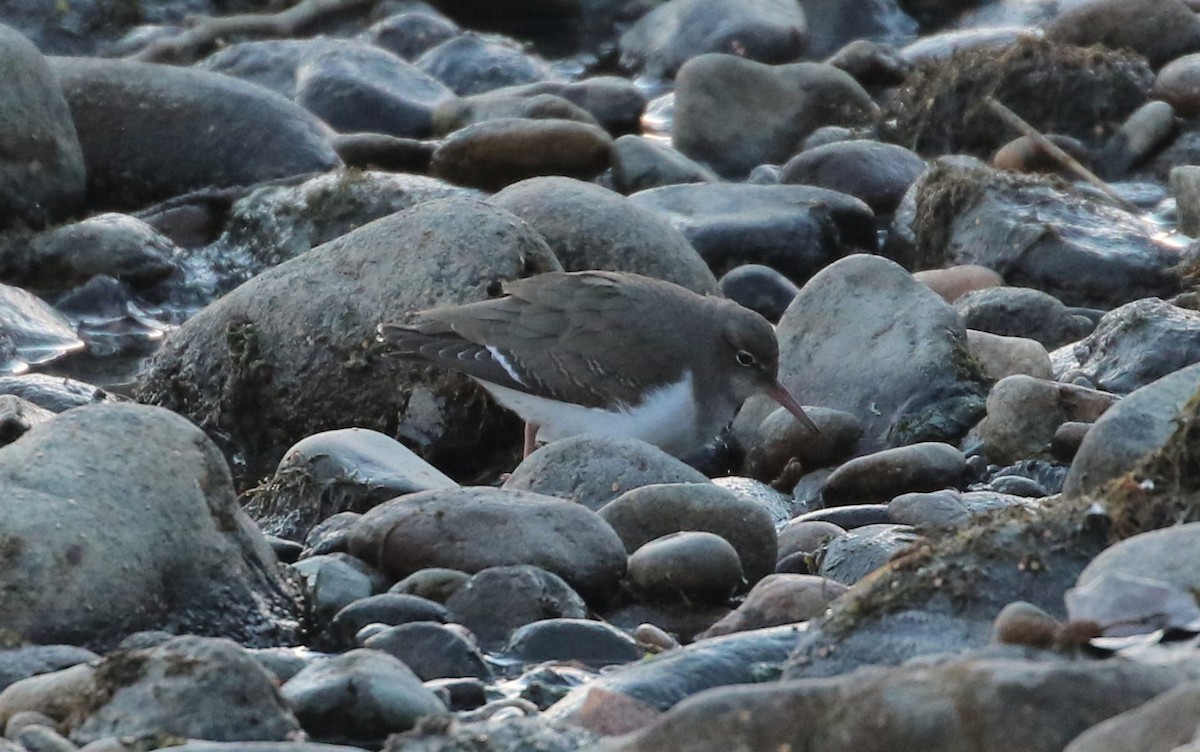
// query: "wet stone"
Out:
[471,64]
[331,535]
[592,643]
[875,172]
[686,566]
[851,557]
[639,163]
[498,600]
[431,650]
[410,34]
[883,475]
[1023,312]
[386,608]
[435,583]
[759,288]
[779,599]
[334,581]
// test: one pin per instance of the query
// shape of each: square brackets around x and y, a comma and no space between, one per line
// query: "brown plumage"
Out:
[608,341]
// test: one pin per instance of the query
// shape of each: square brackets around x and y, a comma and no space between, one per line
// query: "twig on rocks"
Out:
[203,31]
[1058,154]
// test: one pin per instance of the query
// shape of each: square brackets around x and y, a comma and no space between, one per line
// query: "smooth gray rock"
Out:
[872,171]
[796,229]
[760,288]
[734,114]
[688,566]
[431,650]
[189,687]
[638,164]
[592,643]
[1168,555]
[498,600]
[1024,413]
[389,609]
[652,511]
[30,660]
[593,470]
[472,529]
[471,64]
[32,331]
[948,509]
[206,130]
[410,34]
[364,694]
[334,581]
[1023,312]
[1139,424]
[589,227]
[347,469]
[42,176]
[911,379]
[883,475]
[238,366]
[616,103]
[769,31]
[100,502]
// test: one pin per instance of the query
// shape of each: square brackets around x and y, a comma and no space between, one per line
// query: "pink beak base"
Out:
[781,395]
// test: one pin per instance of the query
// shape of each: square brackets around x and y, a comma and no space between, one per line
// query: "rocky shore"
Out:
[231,521]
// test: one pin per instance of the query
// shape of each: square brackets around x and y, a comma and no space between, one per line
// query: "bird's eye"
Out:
[744,358]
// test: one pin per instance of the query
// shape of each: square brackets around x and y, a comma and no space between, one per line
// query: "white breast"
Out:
[666,418]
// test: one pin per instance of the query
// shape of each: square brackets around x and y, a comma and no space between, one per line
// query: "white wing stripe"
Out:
[499,358]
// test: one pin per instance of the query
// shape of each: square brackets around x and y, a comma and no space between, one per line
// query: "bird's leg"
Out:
[531,432]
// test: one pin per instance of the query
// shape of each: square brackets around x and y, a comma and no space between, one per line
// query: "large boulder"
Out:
[865,337]
[735,114]
[41,167]
[119,518]
[292,351]
[150,132]
[589,227]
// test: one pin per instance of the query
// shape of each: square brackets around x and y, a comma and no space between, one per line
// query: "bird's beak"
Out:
[781,395]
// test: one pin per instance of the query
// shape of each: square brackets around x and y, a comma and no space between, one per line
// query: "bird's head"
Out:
[753,351]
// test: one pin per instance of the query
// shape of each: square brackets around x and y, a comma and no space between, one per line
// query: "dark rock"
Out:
[141,475]
[472,529]
[363,88]
[874,172]
[189,687]
[1056,88]
[643,514]
[410,34]
[616,103]
[851,557]
[459,113]
[734,114]
[115,245]
[780,440]
[471,64]
[850,516]
[239,368]
[639,163]
[1162,30]
[876,65]
[589,227]
[1134,345]
[334,581]
[497,600]
[1082,250]
[883,475]
[17,416]
[365,694]
[949,509]
[390,609]
[496,153]
[435,583]
[276,223]
[207,130]
[592,643]
[687,566]
[345,470]
[769,31]
[834,24]
[794,229]
[431,650]
[1178,84]
[678,674]
[1023,413]
[759,288]
[1137,425]
[42,171]
[912,380]
[593,471]
[331,535]
[375,151]
[779,599]
[1023,312]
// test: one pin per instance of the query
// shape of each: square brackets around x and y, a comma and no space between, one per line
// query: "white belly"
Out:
[667,417]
